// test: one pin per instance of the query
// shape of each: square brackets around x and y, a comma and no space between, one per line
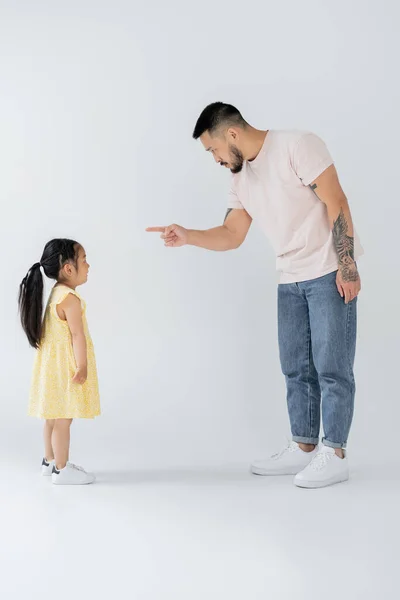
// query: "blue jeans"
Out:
[317,342]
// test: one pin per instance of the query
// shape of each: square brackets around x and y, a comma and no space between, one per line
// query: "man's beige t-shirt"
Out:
[274,190]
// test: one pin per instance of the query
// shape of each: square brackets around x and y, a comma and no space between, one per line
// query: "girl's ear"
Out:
[67,270]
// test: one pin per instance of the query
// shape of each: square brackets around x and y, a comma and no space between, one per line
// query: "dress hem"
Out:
[68,416]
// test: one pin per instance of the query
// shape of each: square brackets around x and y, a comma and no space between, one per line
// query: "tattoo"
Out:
[313,187]
[344,245]
[227,213]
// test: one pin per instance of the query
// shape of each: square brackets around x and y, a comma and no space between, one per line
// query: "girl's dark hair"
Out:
[30,300]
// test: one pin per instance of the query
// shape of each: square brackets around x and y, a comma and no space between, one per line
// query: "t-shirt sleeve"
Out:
[311,158]
[233,199]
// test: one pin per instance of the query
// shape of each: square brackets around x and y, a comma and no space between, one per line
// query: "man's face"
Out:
[224,150]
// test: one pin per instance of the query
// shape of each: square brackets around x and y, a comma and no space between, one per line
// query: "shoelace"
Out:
[320,460]
[77,467]
[291,447]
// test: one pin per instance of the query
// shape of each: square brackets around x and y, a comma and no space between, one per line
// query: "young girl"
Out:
[64,384]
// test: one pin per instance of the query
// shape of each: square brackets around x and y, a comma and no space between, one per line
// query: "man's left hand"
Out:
[348,283]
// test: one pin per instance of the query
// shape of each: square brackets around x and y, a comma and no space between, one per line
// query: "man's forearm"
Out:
[218,239]
[343,237]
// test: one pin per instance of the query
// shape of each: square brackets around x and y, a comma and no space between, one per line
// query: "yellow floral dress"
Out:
[53,395]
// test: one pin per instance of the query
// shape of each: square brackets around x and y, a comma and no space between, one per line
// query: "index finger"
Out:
[156,229]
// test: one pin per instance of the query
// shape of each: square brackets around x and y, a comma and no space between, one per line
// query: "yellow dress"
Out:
[53,395]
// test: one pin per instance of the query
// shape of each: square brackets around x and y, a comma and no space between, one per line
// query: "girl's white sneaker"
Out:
[71,475]
[47,467]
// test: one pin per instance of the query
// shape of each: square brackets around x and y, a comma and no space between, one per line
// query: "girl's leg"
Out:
[47,433]
[60,441]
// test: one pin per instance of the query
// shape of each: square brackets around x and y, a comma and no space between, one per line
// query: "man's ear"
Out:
[232,134]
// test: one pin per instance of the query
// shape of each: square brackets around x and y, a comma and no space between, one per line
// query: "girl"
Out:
[64,384]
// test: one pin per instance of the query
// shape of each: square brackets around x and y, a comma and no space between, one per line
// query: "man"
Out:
[287,183]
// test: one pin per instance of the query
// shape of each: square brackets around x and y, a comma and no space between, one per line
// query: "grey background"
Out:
[97,104]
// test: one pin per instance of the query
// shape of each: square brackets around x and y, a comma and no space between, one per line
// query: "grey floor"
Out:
[199,535]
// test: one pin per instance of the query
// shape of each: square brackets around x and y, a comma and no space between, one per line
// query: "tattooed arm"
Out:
[344,244]
[329,191]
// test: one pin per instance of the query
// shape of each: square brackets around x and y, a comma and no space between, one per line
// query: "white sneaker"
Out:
[71,475]
[325,469]
[47,467]
[288,461]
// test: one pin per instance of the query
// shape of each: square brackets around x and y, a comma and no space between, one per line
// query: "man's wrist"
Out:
[190,237]
[349,271]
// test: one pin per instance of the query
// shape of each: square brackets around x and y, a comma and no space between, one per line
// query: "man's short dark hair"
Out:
[218,115]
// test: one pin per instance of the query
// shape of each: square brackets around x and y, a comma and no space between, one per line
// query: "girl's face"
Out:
[82,270]
[74,276]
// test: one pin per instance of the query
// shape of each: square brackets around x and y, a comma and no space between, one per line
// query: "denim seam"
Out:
[349,312]
[308,382]
[347,335]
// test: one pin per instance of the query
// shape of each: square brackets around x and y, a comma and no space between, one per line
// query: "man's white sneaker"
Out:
[325,469]
[47,467]
[71,475]
[288,461]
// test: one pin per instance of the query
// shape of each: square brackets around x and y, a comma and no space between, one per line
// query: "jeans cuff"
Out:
[333,444]
[306,440]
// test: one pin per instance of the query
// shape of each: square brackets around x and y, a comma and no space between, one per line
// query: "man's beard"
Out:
[237,160]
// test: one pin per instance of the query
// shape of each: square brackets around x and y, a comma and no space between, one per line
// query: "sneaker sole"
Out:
[319,484]
[265,473]
[71,483]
